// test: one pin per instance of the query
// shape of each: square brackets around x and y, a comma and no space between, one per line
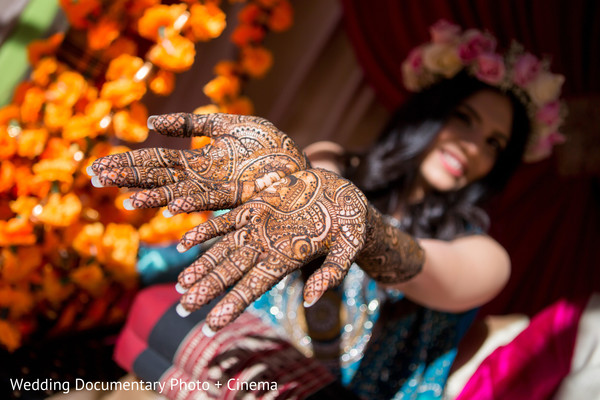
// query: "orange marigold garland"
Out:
[68,251]
[256,19]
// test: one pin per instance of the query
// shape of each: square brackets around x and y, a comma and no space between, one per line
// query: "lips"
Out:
[452,164]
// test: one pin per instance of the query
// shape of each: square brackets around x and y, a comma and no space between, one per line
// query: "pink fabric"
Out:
[534,363]
[144,313]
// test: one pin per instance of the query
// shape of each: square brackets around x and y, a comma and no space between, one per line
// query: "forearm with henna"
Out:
[390,256]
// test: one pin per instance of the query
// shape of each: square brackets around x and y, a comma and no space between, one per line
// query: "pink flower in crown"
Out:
[549,114]
[526,67]
[490,68]
[474,44]
[444,32]
[415,59]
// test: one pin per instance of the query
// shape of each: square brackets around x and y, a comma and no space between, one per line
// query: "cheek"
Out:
[481,168]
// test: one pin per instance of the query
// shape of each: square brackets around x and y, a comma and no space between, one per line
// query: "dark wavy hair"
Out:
[388,170]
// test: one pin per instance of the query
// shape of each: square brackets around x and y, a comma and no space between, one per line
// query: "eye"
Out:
[463,117]
[495,144]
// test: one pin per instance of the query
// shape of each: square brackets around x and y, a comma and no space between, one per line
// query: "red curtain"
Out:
[549,224]
[384,31]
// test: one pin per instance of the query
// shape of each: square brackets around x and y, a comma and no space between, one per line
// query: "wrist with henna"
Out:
[390,256]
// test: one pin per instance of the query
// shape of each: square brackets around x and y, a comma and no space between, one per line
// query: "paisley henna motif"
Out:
[303,216]
[246,155]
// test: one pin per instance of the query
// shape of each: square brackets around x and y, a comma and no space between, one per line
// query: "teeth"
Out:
[453,162]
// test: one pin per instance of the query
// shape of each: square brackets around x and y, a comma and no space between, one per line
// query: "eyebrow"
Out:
[475,114]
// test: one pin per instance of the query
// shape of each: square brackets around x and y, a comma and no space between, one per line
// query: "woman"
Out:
[422,268]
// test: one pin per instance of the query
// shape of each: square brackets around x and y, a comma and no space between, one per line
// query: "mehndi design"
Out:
[307,214]
[246,154]
[390,255]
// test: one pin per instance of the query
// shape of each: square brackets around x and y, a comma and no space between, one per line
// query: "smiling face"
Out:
[468,144]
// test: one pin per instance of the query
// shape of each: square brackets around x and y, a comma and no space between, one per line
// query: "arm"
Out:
[459,275]
[451,276]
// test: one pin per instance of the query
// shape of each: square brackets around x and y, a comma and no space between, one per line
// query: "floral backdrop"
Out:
[68,252]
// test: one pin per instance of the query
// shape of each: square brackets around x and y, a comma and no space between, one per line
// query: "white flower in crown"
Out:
[451,50]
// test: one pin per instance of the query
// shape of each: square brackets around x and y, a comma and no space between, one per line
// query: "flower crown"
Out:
[451,50]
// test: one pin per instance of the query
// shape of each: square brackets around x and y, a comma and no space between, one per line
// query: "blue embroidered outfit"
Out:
[385,347]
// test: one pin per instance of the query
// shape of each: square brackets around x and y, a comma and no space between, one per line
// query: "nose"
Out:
[472,144]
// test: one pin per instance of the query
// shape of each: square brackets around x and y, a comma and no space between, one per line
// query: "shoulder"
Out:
[480,244]
[325,154]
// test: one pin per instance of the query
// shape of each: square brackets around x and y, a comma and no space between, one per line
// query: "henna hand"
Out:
[307,214]
[246,154]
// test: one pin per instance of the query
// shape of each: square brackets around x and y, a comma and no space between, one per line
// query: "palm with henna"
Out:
[305,215]
[246,154]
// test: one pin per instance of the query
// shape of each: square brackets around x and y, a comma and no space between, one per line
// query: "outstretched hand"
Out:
[246,155]
[305,215]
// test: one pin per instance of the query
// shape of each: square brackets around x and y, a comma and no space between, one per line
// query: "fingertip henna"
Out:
[222,314]
[174,125]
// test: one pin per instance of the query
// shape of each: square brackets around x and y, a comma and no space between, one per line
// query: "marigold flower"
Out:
[200,141]
[167,230]
[206,22]
[227,68]
[281,17]
[120,46]
[23,205]
[89,95]
[88,241]
[251,14]
[124,66]
[44,70]
[163,82]
[207,109]
[21,91]
[174,53]
[7,175]
[16,231]
[130,125]
[221,87]
[245,34]
[10,336]
[80,126]
[27,183]
[256,61]
[79,11]
[57,148]
[32,104]
[19,264]
[56,116]
[8,144]
[61,211]
[120,244]
[123,92]
[98,109]
[67,89]
[90,278]
[241,106]
[38,49]
[31,142]
[8,113]
[55,289]
[102,149]
[59,169]
[157,22]
[102,34]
